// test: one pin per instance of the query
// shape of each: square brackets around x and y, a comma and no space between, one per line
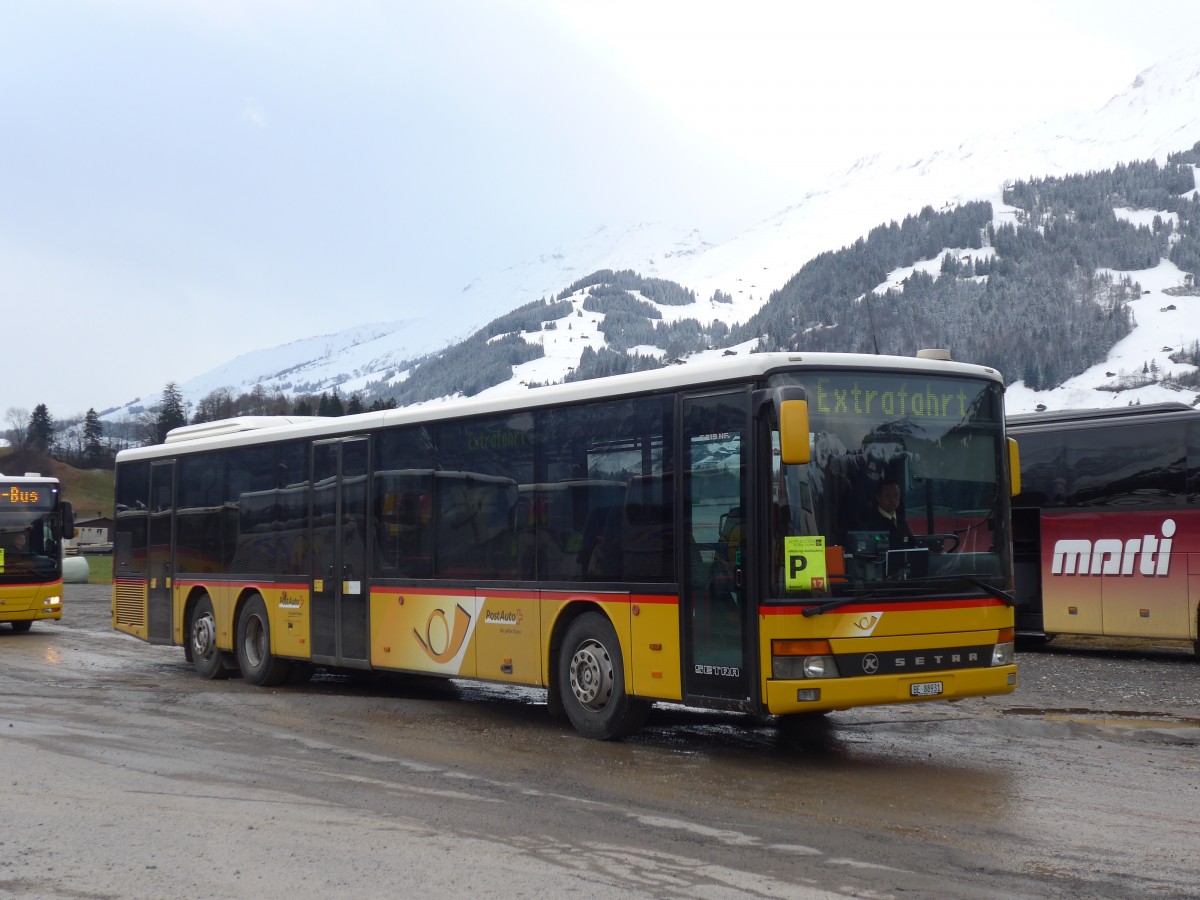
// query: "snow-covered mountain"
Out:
[1157,115]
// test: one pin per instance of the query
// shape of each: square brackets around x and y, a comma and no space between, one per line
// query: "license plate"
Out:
[926,689]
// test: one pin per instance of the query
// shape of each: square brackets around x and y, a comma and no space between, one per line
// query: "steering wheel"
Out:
[937,543]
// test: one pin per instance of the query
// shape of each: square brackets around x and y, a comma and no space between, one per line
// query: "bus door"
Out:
[160,562]
[339,552]
[715,605]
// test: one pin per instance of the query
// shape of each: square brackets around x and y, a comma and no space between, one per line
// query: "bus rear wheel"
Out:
[591,675]
[202,641]
[258,664]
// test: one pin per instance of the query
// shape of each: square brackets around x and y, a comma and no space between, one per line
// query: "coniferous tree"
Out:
[171,413]
[330,405]
[93,432]
[40,434]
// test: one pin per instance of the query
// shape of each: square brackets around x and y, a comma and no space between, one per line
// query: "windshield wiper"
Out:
[992,590]
[829,605]
[974,580]
[1008,598]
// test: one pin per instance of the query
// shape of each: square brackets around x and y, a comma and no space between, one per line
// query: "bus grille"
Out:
[130,603]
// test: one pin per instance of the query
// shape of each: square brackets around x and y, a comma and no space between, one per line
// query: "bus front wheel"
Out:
[202,640]
[591,676]
[258,664]
[22,626]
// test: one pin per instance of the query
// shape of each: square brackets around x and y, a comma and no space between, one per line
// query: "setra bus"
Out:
[690,534]
[34,520]
[1106,530]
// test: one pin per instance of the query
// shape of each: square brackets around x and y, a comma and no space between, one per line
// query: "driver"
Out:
[885,516]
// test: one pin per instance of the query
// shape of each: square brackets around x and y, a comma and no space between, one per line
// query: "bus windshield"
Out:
[29,547]
[902,494]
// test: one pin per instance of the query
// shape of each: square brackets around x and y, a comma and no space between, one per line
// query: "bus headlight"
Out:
[1004,653]
[792,660]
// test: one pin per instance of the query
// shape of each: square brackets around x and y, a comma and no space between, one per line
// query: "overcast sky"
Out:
[186,180]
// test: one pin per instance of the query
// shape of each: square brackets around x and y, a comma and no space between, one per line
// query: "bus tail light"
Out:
[802,659]
[1004,653]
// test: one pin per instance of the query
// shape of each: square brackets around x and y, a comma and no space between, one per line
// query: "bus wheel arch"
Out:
[554,698]
[590,678]
[200,641]
[252,644]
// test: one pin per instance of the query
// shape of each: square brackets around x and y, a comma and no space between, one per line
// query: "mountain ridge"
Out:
[1163,101]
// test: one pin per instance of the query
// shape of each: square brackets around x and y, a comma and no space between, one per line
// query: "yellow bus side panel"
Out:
[224,598]
[654,650]
[288,609]
[507,638]
[425,631]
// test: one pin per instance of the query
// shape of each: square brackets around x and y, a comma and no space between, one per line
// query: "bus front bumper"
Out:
[31,604]
[785,697]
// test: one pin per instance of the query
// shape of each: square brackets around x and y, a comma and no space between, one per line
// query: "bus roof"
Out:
[29,478]
[732,369]
[1109,416]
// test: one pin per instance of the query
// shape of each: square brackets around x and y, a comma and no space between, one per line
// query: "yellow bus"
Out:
[33,521]
[698,534]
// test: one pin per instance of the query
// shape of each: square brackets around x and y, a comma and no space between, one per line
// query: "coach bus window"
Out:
[1193,463]
[403,503]
[249,511]
[198,516]
[131,511]
[480,464]
[1120,467]
[629,444]
[1045,479]
[606,492]
[291,508]
[561,515]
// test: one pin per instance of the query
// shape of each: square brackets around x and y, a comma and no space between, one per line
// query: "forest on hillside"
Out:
[1030,299]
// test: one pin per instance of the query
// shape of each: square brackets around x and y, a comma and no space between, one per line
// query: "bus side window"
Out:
[599,552]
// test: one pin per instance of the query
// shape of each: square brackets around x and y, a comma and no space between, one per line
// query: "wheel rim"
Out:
[254,645]
[592,676]
[204,636]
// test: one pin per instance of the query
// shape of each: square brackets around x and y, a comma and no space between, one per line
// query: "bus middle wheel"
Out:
[258,664]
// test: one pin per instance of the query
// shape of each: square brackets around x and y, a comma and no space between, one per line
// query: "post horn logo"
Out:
[442,643]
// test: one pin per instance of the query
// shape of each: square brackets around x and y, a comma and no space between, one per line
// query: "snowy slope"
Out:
[1157,115]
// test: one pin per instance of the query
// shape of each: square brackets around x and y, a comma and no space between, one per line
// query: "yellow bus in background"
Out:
[698,534]
[34,521]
